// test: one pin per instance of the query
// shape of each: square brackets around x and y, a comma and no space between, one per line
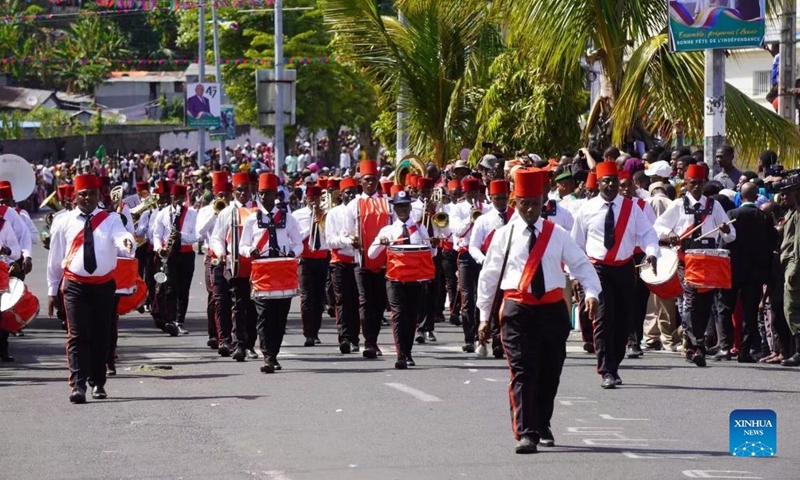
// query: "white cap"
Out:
[660,168]
[728,193]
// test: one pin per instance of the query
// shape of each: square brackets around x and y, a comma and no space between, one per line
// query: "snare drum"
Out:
[4,277]
[133,300]
[708,269]
[126,275]
[19,306]
[409,263]
[665,284]
[274,278]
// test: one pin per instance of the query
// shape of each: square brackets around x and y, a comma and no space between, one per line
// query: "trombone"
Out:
[440,218]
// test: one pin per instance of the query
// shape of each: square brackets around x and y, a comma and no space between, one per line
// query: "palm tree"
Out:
[439,52]
[644,84]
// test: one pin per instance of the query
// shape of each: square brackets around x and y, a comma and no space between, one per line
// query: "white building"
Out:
[136,93]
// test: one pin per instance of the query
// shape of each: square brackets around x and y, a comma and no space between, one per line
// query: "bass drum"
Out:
[19,307]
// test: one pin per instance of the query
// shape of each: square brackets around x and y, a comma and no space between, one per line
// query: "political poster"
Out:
[715,24]
[202,105]
[227,126]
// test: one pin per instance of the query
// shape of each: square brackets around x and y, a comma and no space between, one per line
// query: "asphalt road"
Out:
[331,416]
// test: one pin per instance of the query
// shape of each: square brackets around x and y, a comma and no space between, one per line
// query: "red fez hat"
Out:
[162,187]
[142,186]
[695,172]
[591,181]
[498,186]
[267,181]
[395,189]
[348,182]
[424,182]
[5,183]
[313,191]
[322,182]
[221,187]
[470,184]
[62,191]
[105,181]
[333,184]
[240,178]
[86,182]
[178,190]
[219,178]
[453,185]
[411,180]
[386,186]
[68,191]
[607,169]
[6,193]
[368,167]
[529,183]
[623,175]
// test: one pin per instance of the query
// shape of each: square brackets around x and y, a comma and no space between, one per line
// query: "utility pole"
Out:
[279,135]
[201,77]
[222,158]
[787,69]
[714,107]
[402,116]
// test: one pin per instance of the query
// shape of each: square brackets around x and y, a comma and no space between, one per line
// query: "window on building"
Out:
[762,82]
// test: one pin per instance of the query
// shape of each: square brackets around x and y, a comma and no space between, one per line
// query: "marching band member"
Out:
[144,250]
[155,292]
[366,215]
[243,311]
[313,268]
[342,268]
[9,249]
[608,228]
[173,238]
[450,256]
[218,308]
[681,217]
[481,237]
[468,269]
[83,250]
[405,298]
[422,210]
[271,233]
[527,273]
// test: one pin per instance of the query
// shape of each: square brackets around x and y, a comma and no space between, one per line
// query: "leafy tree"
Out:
[89,38]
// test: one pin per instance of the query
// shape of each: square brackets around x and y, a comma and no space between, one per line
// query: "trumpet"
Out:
[476,211]
[440,219]
[219,205]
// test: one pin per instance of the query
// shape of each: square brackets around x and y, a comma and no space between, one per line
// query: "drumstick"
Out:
[690,232]
[715,230]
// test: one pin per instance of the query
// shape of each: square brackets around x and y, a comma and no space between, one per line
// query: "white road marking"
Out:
[275,475]
[637,456]
[578,349]
[573,402]
[606,416]
[713,474]
[473,370]
[617,442]
[491,379]
[418,394]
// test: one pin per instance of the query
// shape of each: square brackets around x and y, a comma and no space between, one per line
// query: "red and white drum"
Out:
[126,275]
[274,278]
[409,263]
[708,268]
[130,302]
[19,306]
[665,283]
[4,277]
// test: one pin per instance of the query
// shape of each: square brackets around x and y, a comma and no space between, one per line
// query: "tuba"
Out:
[408,164]
[18,172]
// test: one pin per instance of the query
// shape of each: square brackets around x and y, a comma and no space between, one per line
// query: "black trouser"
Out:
[243,312]
[222,304]
[272,315]
[180,269]
[330,298]
[587,329]
[750,295]
[345,291]
[141,258]
[613,315]
[211,302]
[404,300]
[113,337]
[535,342]
[313,274]
[61,309]
[430,300]
[90,314]
[371,303]
[780,326]
[450,270]
[697,311]
[153,265]
[468,271]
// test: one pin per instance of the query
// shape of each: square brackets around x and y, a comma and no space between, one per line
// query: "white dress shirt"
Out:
[109,238]
[289,238]
[419,236]
[32,230]
[218,241]
[484,226]
[337,235]
[646,208]
[590,225]
[461,222]
[143,225]
[206,219]
[305,219]
[674,219]
[20,231]
[8,239]
[563,216]
[560,249]
[163,227]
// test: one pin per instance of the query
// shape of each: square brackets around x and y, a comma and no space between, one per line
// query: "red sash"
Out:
[488,240]
[3,210]
[619,231]
[641,203]
[337,257]
[523,294]
[77,242]
[373,215]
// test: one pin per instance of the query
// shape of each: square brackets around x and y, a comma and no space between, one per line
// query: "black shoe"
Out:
[77,396]
[239,355]
[401,363]
[182,330]
[267,367]
[546,438]
[455,321]
[172,329]
[212,343]
[498,353]
[525,445]
[653,347]
[251,353]
[354,347]
[64,325]
[722,355]
[275,364]
[588,347]
[6,358]
[410,361]
[637,347]
[309,342]
[617,379]
[430,337]
[369,352]
[608,382]
[630,352]
[140,309]
[317,341]
[224,350]
[331,312]
[111,370]
[99,393]
[378,351]
[746,357]
[385,322]
[344,347]
[699,359]
[420,338]
[793,361]
[439,319]
[468,348]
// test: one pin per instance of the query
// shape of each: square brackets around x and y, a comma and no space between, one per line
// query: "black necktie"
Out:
[89,259]
[608,228]
[503,217]
[537,284]
[273,237]
[697,220]
[406,235]
[315,232]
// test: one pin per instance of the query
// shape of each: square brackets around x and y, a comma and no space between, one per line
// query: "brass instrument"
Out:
[233,267]
[440,219]
[148,204]
[219,204]
[52,202]
[173,244]
[319,218]
[408,164]
[476,211]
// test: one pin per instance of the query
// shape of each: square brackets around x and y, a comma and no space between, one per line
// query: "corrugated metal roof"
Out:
[23,98]
[146,77]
